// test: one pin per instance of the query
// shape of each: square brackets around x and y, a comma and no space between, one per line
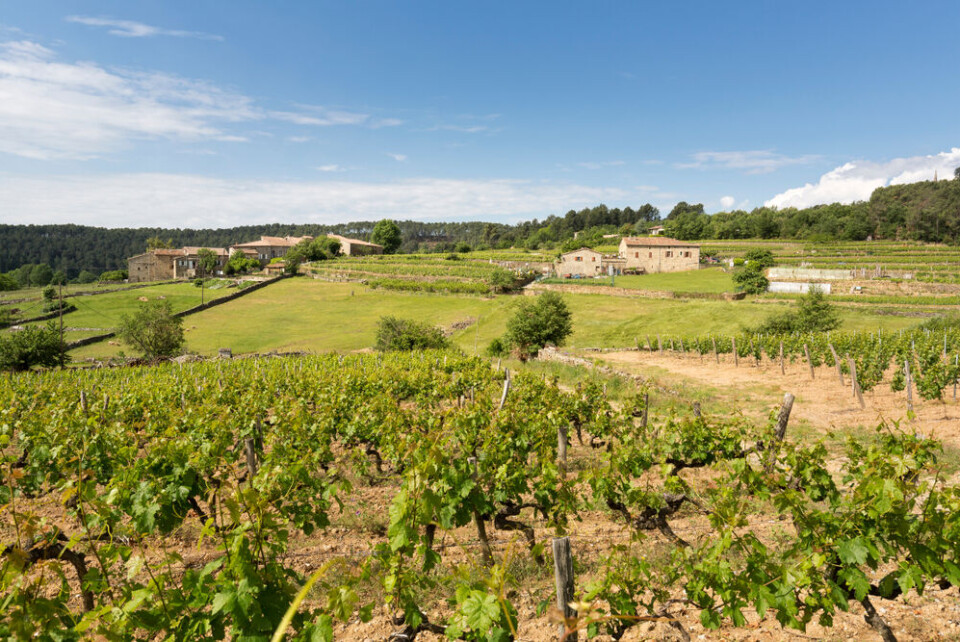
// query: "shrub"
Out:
[762,258]
[153,330]
[32,346]
[750,279]
[536,323]
[113,275]
[463,248]
[86,276]
[497,348]
[405,334]
[502,280]
[8,282]
[812,314]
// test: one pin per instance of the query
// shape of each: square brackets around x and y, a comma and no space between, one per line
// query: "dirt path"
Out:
[821,402]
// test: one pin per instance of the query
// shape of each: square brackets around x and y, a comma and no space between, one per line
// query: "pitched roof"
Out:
[274,241]
[187,251]
[588,249]
[353,241]
[655,241]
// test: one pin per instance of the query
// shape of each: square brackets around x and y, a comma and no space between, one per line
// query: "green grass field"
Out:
[313,315]
[103,311]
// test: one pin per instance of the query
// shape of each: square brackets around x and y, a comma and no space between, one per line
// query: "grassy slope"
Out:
[306,314]
[104,310]
[712,280]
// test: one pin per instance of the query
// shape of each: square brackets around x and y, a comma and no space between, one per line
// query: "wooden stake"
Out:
[806,351]
[506,389]
[485,552]
[682,350]
[715,354]
[736,357]
[906,370]
[659,344]
[646,408]
[649,347]
[836,362]
[563,573]
[856,385]
[252,464]
[562,448]
[782,370]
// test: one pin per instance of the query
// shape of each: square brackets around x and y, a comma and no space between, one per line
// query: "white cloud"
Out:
[400,158]
[132,200]
[298,139]
[132,29]
[333,167]
[58,110]
[50,109]
[759,161]
[856,180]
[601,165]
[726,202]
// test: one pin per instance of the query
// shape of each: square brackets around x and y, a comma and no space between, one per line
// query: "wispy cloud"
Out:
[50,109]
[856,180]
[333,167]
[602,164]
[132,29]
[759,161]
[400,158]
[464,129]
[133,200]
[726,202]
[298,139]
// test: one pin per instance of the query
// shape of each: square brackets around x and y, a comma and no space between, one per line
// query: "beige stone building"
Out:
[269,247]
[167,264]
[648,255]
[354,247]
[587,263]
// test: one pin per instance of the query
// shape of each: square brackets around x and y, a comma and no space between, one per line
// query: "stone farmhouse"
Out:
[637,255]
[651,254]
[269,247]
[587,263]
[169,264]
[353,247]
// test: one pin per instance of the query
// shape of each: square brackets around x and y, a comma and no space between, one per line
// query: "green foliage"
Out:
[8,282]
[29,347]
[502,280]
[497,348]
[153,330]
[463,248]
[239,263]
[114,275]
[388,234]
[812,313]
[323,248]
[405,334]
[207,261]
[41,275]
[534,324]
[762,258]
[750,279]
[86,276]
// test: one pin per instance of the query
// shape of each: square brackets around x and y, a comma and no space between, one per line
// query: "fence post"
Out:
[563,573]
[836,362]
[715,354]
[506,389]
[906,369]
[736,357]
[659,344]
[562,449]
[806,351]
[856,384]
[782,371]
[252,464]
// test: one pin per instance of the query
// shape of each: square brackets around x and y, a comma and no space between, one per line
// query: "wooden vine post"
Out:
[659,344]
[646,409]
[736,357]
[485,553]
[562,449]
[563,573]
[806,352]
[252,464]
[506,389]
[716,356]
[649,347]
[855,383]
[782,370]
[836,362]
[909,383]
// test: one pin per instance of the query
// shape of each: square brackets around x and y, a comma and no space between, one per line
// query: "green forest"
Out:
[927,211]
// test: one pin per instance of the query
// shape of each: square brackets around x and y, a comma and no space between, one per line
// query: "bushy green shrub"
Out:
[813,313]
[534,324]
[32,346]
[394,333]
[750,279]
[153,330]
[113,275]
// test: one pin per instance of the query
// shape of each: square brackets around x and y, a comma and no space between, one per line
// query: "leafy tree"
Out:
[536,323]
[59,278]
[388,234]
[318,249]
[157,243]
[956,174]
[405,334]
[8,282]
[207,261]
[502,280]
[41,275]
[684,207]
[86,276]
[463,248]
[32,346]
[240,263]
[153,330]
[762,258]
[813,313]
[750,279]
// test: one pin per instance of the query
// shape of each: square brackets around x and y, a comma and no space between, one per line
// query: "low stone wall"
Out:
[808,274]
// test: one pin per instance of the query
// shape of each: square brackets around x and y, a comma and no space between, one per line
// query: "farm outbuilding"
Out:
[649,255]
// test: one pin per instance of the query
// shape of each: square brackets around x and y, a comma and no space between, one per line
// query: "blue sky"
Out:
[212,114]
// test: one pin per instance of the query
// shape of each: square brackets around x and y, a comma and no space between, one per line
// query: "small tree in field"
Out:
[388,234]
[405,334]
[153,330]
[536,323]
[32,346]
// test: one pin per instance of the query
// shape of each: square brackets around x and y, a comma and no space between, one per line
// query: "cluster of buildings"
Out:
[164,264]
[636,255]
